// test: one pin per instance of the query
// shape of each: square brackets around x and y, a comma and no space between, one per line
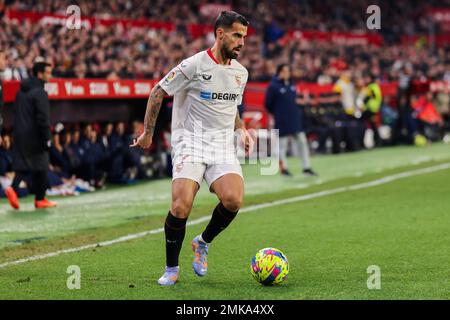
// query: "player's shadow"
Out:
[257,288]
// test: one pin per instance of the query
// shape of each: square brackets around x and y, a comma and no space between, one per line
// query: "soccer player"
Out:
[207,89]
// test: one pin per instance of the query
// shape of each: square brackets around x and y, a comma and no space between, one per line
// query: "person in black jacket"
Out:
[282,102]
[32,137]
[117,151]
[93,157]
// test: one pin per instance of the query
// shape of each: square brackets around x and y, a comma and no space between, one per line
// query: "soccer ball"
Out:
[420,140]
[269,266]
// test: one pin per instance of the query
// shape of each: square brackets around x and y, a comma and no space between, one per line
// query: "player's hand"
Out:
[144,141]
[248,142]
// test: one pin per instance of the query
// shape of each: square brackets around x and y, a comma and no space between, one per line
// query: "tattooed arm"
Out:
[153,106]
[247,140]
[238,123]
[151,114]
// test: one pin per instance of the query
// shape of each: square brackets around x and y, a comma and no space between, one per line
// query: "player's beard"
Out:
[228,53]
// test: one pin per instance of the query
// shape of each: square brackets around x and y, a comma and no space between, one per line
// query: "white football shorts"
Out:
[198,171]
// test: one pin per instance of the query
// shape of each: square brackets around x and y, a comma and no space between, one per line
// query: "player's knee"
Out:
[181,208]
[232,202]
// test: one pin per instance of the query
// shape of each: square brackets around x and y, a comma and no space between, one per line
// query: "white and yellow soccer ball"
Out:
[420,140]
[269,266]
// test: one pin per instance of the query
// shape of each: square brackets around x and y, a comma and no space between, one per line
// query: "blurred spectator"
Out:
[58,157]
[429,121]
[93,157]
[321,116]
[405,126]
[137,156]
[372,99]
[70,152]
[345,87]
[442,103]
[5,156]
[282,102]
[117,151]
[6,172]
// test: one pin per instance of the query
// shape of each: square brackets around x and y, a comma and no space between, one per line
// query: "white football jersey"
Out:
[206,96]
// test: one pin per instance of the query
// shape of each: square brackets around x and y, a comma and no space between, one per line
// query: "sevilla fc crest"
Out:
[238,80]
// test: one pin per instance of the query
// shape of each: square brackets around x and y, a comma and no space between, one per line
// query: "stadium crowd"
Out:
[114,52]
[399,17]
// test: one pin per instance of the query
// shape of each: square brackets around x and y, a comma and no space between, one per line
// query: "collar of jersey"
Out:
[212,57]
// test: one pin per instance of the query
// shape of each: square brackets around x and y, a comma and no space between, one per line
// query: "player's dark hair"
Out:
[227,18]
[38,67]
[280,67]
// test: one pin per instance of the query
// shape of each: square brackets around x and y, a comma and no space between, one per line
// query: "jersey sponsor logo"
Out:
[206,77]
[170,77]
[205,95]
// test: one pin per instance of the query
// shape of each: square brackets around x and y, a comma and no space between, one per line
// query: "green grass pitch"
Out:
[401,226]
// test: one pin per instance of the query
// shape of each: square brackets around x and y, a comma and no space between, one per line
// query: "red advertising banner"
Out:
[86,22]
[342,38]
[196,30]
[440,15]
[440,86]
[70,89]
[213,9]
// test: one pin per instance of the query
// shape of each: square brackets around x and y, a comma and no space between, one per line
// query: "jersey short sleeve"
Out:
[241,96]
[179,77]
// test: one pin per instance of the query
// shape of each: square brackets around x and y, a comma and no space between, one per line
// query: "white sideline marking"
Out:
[305,197]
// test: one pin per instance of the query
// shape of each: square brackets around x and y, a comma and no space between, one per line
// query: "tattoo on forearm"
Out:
[238,123]
[153,107]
